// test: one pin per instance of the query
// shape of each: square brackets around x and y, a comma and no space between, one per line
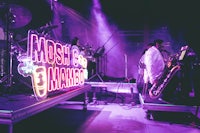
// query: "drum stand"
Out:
[10,50]
[8,78]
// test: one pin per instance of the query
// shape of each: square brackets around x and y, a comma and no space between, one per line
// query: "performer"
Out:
[141,69]
[154,64]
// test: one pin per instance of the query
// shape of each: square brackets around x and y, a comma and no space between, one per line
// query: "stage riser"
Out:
[117,87]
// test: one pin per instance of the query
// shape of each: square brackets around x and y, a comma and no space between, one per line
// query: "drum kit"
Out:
[13,17]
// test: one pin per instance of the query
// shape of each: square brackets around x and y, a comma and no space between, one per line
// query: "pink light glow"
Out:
[56,66]
[102,30]
[60,78]
[45,50]
[95,30]
[108,35]
[39,82]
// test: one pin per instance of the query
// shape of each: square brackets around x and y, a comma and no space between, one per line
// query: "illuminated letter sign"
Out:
[52,65]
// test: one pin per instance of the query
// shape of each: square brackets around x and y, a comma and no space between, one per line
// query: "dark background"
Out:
[180,15]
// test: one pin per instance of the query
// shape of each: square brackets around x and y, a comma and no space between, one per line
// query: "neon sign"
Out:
[52,65]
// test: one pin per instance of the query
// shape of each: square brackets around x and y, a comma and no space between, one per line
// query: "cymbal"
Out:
[19,16]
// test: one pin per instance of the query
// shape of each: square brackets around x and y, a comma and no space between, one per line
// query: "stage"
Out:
[16,107]
[157,105]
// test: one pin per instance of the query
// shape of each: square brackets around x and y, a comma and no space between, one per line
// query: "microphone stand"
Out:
[97,56]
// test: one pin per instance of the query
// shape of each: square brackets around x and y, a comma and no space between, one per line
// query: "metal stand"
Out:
[9,40]
[9,76]
[97,72]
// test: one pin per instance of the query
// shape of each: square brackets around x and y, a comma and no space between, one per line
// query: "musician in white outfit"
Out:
[154,64]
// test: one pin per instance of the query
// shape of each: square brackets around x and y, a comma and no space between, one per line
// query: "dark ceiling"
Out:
[131,13]
[127,14]
[178,15]
[181,16]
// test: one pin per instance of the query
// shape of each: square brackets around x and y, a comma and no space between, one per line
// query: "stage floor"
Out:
[16,107]
[157,105]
